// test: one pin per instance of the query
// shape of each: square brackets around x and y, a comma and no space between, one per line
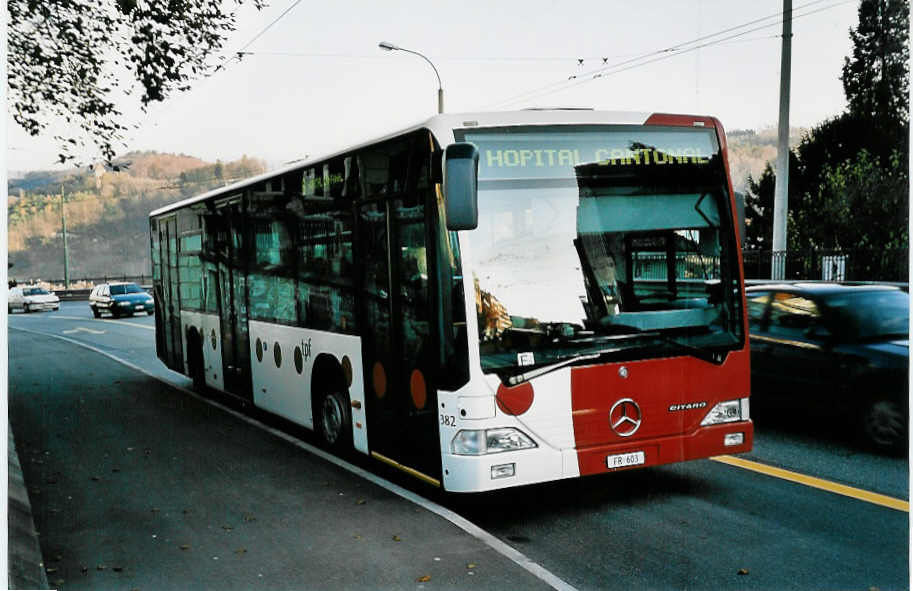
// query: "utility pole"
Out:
[66,254]
[781,187]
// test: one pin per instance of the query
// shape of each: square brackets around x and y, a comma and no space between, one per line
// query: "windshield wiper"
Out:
[540,371]
[696,352]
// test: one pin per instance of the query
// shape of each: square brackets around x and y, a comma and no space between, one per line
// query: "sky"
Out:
[317,81]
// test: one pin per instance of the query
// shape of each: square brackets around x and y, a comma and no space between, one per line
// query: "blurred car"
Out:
[31,299]
[828,347]
[120,299]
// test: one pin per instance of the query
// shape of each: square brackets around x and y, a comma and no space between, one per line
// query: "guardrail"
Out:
[82,295]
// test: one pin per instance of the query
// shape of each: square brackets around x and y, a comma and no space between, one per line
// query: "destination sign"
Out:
[554,155]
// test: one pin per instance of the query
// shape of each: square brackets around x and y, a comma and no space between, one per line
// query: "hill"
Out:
[106,212]
[750,151]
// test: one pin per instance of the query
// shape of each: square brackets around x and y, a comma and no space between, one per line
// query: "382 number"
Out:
[448,420]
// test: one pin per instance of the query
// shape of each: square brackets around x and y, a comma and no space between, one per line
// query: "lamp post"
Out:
[440,89]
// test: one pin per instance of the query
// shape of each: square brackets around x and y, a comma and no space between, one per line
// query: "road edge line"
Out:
[506,550]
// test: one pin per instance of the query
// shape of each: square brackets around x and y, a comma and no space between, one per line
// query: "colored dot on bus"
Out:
[418,389]
[277,355]
[299,360]
[379,379]
[259,349]
[515,400]
[347,370]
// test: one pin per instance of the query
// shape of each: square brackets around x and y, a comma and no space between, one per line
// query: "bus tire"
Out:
[334,420]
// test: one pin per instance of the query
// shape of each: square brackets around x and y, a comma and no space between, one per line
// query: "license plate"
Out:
[140,307]
[634,458]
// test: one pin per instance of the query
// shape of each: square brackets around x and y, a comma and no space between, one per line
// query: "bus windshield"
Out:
[614,241]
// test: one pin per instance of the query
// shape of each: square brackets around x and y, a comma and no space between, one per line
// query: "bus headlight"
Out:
[477,442]
[727,412]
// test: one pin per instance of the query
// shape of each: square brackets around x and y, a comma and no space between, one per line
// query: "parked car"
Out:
[820,348]
[120,299]
[30,298]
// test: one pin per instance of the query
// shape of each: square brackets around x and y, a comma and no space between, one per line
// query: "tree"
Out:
[67,60]
[875,77]
[848,185]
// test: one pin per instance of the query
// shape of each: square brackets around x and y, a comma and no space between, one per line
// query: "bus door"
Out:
[168,296]
[232,298]
[398,351]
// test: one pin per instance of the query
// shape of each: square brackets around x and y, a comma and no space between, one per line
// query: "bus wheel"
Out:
[334,421]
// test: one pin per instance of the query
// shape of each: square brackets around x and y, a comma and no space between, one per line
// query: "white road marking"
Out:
[83,329]
[83,318]
[467,526]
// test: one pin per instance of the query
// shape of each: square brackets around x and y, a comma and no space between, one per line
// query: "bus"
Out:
[481,300]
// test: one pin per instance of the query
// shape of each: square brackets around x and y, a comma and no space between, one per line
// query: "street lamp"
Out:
[440,89]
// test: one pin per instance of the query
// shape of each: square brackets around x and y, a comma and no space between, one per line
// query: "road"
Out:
[699,525]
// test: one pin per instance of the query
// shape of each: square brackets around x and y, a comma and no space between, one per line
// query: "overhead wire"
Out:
[660,54]
[240,52]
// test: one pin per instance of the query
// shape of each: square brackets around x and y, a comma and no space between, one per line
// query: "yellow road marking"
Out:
[820,483]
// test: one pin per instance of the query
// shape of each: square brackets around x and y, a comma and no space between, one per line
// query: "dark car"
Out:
[831,349]
[120,299]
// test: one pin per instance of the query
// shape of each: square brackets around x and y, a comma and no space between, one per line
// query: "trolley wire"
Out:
[661,54]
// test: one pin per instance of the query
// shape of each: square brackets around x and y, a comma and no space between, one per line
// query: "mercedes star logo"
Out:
[625,417]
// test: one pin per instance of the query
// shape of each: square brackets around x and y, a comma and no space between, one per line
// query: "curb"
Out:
[26,567]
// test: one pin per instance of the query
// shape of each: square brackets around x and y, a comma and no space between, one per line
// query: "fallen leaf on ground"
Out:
[471,565]
[185,546]
[397,539]
[423,579]
[360,502]
[227,527]
[240,550]
[743,571]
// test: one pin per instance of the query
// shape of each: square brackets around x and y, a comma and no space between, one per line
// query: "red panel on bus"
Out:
[672,397]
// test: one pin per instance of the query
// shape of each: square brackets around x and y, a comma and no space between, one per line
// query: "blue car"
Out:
[120,299]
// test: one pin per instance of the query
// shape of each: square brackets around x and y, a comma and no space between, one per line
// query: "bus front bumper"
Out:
[544,464]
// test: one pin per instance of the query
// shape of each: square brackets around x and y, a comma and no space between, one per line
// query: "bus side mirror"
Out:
[740,214]
[461,186]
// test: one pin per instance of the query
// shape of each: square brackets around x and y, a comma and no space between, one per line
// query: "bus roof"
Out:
[442,127]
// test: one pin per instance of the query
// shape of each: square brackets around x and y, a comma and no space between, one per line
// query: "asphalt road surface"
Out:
[173,489]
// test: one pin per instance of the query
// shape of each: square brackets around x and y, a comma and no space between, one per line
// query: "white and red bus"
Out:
[483,300]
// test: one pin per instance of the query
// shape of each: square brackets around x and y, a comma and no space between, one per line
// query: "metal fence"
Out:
[84,282]
[830,265]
